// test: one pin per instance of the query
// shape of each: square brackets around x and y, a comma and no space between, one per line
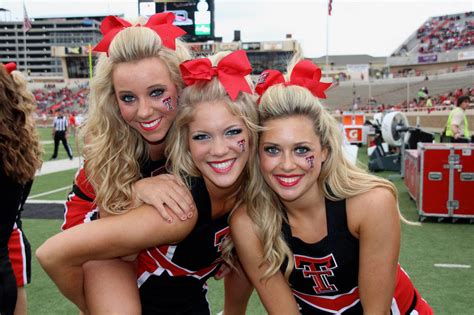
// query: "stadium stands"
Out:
[395,91]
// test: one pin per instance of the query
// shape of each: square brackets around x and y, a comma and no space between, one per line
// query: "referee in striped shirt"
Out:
[60,125]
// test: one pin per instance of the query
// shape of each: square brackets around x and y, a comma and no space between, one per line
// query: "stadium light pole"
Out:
[370,94]
[408,90]
[327,39]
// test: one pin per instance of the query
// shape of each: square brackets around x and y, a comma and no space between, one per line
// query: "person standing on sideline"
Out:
[20,157]
[44,119]
[457,125]
[72,123]
[60,125]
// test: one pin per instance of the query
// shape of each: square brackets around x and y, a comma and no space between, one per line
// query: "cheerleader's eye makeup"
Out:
[157,92]
[127,98]
[271,149]
[200,137]
[233,132]
[301,150]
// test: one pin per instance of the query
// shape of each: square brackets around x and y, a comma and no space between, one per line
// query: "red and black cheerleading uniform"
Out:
[13,198]
[172,278]
[325,277]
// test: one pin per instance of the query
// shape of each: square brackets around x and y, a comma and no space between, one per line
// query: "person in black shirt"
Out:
[60,125]
[20,154]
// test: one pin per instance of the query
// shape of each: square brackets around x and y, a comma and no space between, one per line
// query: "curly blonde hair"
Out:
[20,149]
[114,150]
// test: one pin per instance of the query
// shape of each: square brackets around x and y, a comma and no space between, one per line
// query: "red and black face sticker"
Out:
[241,144]
[310,161]
[261,79]
[168,104]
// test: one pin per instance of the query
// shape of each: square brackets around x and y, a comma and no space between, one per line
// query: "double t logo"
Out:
[319,269]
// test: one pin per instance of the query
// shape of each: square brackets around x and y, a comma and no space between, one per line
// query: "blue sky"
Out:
[375,27]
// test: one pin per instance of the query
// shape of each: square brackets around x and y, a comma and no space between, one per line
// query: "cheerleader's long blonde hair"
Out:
[339,178]
[113,150]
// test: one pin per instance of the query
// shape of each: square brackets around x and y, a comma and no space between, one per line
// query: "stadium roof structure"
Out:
[350,59]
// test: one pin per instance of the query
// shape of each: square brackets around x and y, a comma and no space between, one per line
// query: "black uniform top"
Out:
[172,278]
[13,198]
[325,277]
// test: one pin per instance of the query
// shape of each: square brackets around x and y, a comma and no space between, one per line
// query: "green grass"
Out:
[53,181]
[448,291]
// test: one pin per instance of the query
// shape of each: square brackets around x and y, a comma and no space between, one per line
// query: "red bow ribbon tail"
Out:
[232,70]
[168,34]
[234,84]
[162,24]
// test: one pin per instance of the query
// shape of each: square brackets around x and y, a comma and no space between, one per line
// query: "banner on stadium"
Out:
[466,55]
[358,71]
[357,67]
[427,58]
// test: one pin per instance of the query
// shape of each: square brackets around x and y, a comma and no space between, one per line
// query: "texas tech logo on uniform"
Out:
[219,238]
[320,270]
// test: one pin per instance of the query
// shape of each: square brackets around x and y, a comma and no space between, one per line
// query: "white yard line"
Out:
[38,201]
[50,192]
[47,142]
[452,266]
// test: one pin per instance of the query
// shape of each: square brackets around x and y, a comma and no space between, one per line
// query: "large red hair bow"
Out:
[231,72]
[161,23]
[10,67]
[305,74]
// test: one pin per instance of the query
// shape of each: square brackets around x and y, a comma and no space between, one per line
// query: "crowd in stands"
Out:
[423,102]
[49,98]
[442,34]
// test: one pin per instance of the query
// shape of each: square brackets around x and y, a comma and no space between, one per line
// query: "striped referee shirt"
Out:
[60,123]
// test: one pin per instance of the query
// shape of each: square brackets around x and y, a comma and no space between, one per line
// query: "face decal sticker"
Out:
[310,161]
[261,79]
[167,103]
[241,144]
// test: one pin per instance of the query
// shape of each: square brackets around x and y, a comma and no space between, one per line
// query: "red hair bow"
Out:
[231,72]
[10,67]
[161,23]
[305,74]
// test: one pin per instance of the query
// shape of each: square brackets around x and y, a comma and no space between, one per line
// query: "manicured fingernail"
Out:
[170,220]
[190,215]
[191,207]
[184,217]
